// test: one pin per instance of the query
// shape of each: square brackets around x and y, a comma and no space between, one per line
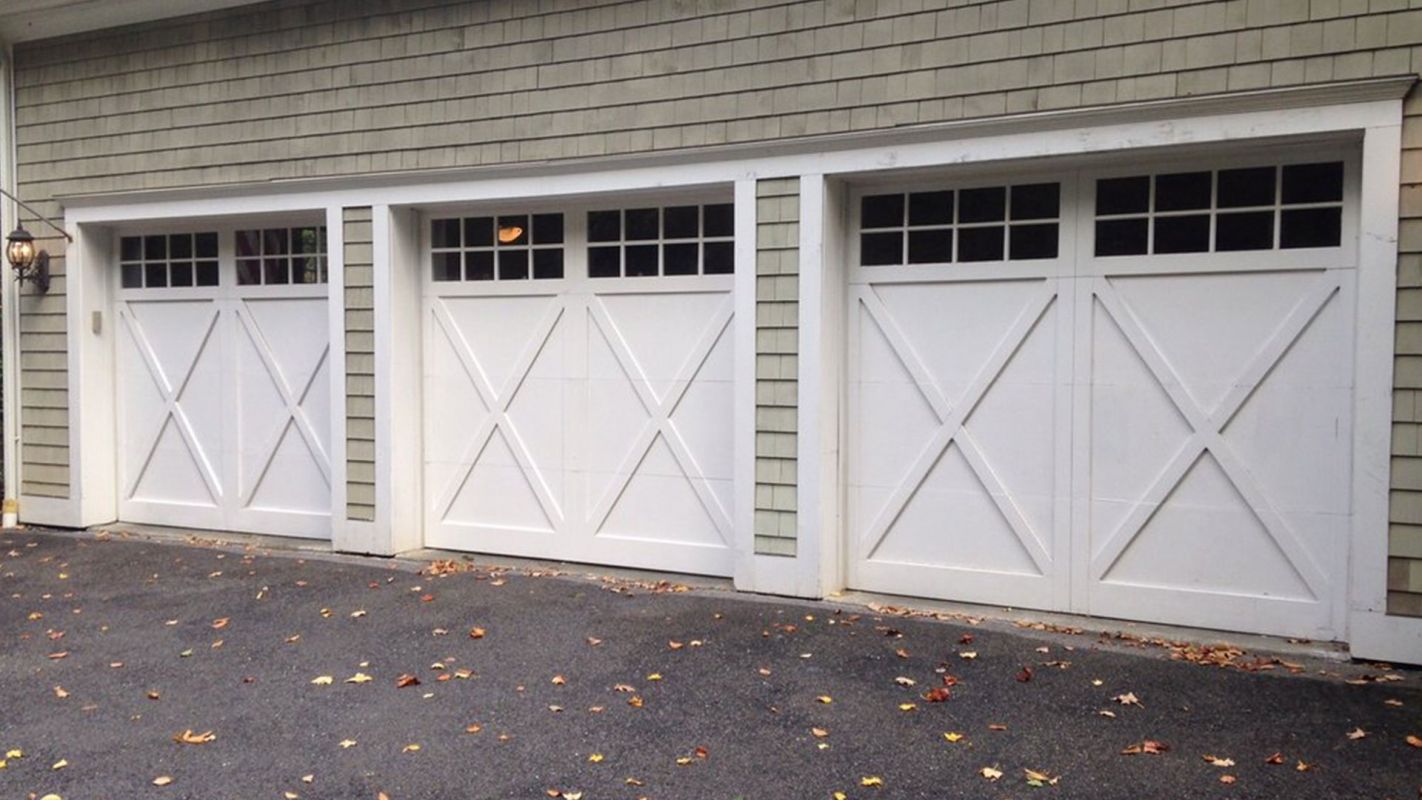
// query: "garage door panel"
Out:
[497,492]
[660,503]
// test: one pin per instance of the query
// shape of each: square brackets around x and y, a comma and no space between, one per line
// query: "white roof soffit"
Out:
[26,20]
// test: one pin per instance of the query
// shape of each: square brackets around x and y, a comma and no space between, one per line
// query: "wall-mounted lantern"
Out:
[29,263]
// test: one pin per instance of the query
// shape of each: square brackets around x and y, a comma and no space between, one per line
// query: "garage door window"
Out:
[1229,210]
[673,240]
[498,247]
[168,260]
[274,256]
[996,223]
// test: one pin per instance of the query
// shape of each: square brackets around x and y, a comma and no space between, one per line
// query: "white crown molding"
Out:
[28,20]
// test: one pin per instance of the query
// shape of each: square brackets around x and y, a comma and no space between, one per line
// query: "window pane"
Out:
[1123,196]
[1246,187]
[642,223]
[306,241]
[155,275]
[1182,234]
[444,233]
[181,273]
[1036,201]
[641,259]
[718,258]
[547,229]
[180,246]
[876,249]
[206,272]
[306,269]
[547,264]
[130,248]
[681,222]
[132,276]
[881,211]
[276,270]
[1032,241]
[1181,191]
[679,259]
[604,262]
[1311,227]
[1313,183]
[513,265]
[982,205]
[275,242]
[513,231]
[478,266]
[207,245]
[930,208]
[1249,230]
[980,244]
[604,226]
[155,248]
[249,243]
[249,271]
[478,232]
[1121,237]
[931,246]
[719,220]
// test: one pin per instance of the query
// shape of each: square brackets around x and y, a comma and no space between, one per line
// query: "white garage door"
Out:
[578,379]
[1123,394]
[224,401]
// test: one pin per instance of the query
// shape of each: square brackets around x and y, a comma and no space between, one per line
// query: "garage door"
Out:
[1125,394]
[224,406]
[578,379]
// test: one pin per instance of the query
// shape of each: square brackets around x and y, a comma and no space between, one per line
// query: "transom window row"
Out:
[635,242]
[1228,210]
[994,223]
[264,257]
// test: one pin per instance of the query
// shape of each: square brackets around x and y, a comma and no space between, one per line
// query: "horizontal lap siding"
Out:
[302,88]
[777,320]
[360,365]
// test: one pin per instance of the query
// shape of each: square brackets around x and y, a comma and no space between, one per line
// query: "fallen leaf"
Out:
[1357,733]
[406,679]
[595,758]
[60,692]
[1128,699]
[558,680]
[189,737]
[871,780]
[475,728]
[1302,766]
[966,638]
[476,633]
[634,701]
[162,780]
[824,698]
[655,676]
[347,744]
[1216,761]
[907,706]
[1414,740]
[819,733]
[1227,779]
[938,694]
[153,694]
[1103,712]
[997,726]
[410,748]
[60,764]
[1035,778]
[953,736]
[1277,758]
[674,645]
[323,680]
[1024,675]
[359,677]
[990,773]
[308,778]
[220,623]
[902,681]
[593,641]
[1148,747]
[969,655]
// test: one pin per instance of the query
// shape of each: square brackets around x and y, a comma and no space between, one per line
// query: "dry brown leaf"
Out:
[558,680]
[190,737]
[990,773]
[1414,740]
[938,694]
[1356,734]
[1148,747]
[1216,761]
[476,633]
[406,679]
[1277,758]
[60,692]
[1227,779]
[220,623]
[1302,766]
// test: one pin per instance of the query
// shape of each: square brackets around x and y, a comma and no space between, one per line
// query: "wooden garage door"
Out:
[578,378]
[224,389]
[1152,421]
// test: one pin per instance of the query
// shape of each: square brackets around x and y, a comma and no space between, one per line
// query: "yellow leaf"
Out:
[595,758]
[871,780]
[14,754]
[323,680]
[308,778]
[841,796]
[359,677]
[60,764]
[290,795]
[655,676]
[907,706]
[410,748]
[824,698]
[51,797]
[968,655]
[346,744]
[162,780]
[572,796]
[683,761]
[990,773]
[953,736]
[189,737]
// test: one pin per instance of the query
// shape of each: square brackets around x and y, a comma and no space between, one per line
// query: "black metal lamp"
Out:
[29,264]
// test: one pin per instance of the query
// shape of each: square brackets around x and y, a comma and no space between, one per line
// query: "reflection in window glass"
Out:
[175,260]
[505,247]
[966,225]
[276,256]
[671,241]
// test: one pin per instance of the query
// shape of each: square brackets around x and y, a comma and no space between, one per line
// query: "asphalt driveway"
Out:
[318,678]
